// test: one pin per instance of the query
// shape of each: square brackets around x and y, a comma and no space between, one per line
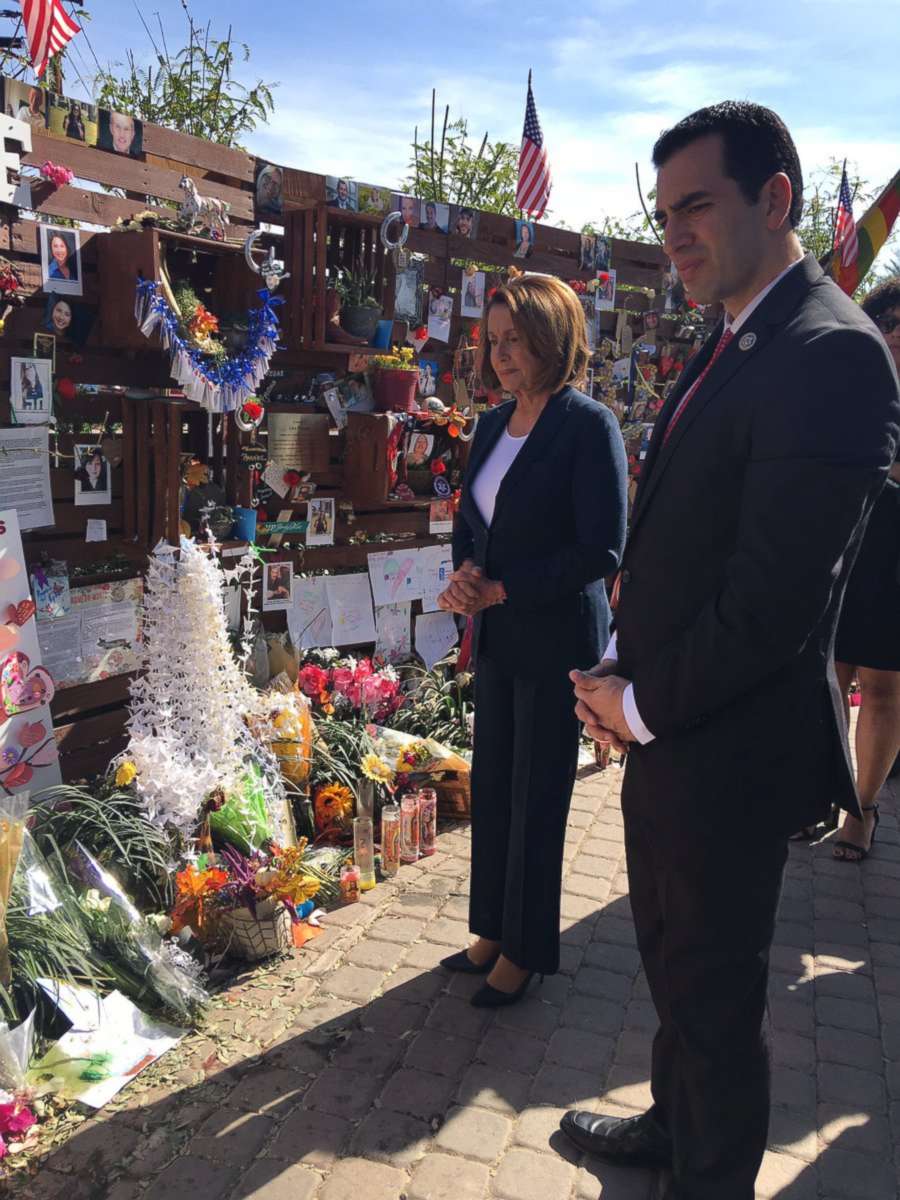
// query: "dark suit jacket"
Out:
[744,528]
[558,529]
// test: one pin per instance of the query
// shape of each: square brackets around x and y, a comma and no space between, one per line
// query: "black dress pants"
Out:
[704,909]
[523,769]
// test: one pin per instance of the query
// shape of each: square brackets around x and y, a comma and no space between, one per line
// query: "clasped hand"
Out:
[469,591]
[598,693]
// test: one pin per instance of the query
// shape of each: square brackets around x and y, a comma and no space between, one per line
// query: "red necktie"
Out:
[683,403]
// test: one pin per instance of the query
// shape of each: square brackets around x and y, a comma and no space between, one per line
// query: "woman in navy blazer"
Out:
[541,521]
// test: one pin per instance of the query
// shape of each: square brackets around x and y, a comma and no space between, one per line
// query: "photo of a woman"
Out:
[418,449]
[58,315]
[524,239]
[30,385]
[30,391]
[92,482]
[74,122]
[61,260]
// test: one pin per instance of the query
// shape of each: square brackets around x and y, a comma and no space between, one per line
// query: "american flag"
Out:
[845,239]
[533,190]
[48,27]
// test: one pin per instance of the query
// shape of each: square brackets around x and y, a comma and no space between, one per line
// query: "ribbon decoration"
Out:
[220,389]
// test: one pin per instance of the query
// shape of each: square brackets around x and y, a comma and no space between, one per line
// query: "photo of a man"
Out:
[463,221]
[121,133]
[435,217]
[269,190]
[341,193]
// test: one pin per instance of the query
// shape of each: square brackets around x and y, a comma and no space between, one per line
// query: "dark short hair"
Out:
[466,212]
[757,145]
[548,315]
[883,298]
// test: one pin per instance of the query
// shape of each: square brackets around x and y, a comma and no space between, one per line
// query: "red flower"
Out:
[251,410]
[313,680]
[291,478]
[66,389]
[447,377]
[421,334]
[438,466]
[691,304]
[475,334]
[603,276]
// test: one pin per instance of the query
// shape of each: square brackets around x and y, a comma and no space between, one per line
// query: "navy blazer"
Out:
[558,529]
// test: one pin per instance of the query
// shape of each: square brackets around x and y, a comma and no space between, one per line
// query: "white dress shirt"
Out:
[629,705]
[487,482]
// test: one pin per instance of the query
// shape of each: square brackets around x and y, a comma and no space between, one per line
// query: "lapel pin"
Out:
[747,342]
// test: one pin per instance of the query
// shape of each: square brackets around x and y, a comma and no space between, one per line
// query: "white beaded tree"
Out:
[187,729]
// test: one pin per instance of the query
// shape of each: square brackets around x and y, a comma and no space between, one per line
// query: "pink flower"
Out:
[16,1118]
[3,1150]
[313,680]
[371,691]
[341,680]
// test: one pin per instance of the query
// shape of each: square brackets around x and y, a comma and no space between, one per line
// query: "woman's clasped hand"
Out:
[469,591]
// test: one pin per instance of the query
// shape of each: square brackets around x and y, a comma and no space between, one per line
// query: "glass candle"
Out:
[409,829]
[349,883]
[364,852]
[390,839]
[365,799]
[427,807]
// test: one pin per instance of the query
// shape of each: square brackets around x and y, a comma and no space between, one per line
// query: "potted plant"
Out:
[360,310]
[396,380]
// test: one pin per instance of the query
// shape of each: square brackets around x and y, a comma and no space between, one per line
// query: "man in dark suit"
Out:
[761,472]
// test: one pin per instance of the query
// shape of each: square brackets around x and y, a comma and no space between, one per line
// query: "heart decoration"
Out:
[32,733]
[21,688]
[19,614]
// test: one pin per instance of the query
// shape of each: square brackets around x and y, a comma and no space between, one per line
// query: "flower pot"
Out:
[361,320]
[252,937]
[395,391]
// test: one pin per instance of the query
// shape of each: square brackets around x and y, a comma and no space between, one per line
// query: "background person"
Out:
[762,469]
[541,521]
[868,636]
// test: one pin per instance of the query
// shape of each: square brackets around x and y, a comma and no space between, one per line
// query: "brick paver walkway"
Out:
[357,1071]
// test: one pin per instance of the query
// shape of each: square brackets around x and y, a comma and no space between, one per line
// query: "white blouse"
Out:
[487,482]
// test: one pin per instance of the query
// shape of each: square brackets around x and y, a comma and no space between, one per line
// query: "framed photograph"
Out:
[524,239]
[586,262]
[25,102]
[472,304]
[75,119]
[44,346]
[606,291]
[408,285]
[429,371]
[418,448]
[341,193]
[61,260]
[66,318]
[409,209]
[121,133]
[373,200]
[440,516]
[31,391]
[93,483]
[434,217]
[320,517]
[356,395]
[278,586]
[602,253]
[440,310]
[463,221]
[588,307]
[268,190]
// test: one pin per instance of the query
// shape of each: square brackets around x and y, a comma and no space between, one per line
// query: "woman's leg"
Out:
[877,744]
[492,772]
[545,760]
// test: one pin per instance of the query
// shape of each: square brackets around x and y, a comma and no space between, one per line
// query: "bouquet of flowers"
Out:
[350,687]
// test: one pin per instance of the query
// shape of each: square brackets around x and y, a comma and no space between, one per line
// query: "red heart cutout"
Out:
[32,733]
[18,775]
[19,614]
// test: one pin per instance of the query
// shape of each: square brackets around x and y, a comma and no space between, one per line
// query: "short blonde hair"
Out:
[548,315]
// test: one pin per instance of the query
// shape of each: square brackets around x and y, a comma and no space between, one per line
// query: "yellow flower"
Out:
[125,774]
[376,769]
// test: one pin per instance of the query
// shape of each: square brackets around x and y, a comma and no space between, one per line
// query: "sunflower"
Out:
[376,769]
[333,806]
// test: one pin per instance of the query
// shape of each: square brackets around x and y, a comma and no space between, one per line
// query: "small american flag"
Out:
[533,190]
[48,28]
[845,239]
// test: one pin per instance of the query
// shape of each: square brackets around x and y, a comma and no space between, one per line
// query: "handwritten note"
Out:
[350,602]
[436,634]
[394,632]
[395,576]
[309,621]
[435,567]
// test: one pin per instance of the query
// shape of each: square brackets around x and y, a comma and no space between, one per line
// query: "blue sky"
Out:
[608,76]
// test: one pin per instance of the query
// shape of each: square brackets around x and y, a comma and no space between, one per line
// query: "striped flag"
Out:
[872,231]
[845,239]
[533,190]
[48,27]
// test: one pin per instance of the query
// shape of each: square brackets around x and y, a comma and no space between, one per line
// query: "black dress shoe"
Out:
[629,1141]
[491,997]
[461,962]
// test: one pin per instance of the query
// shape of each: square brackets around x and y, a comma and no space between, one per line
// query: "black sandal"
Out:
[860,851]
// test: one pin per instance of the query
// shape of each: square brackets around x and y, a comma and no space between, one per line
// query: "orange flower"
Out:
[192,889]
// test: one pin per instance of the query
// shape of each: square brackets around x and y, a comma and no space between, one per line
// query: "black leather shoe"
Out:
[629,1141]
[461,962]
[491,997]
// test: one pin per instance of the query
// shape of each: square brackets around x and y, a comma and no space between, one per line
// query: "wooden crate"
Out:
[454,796]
